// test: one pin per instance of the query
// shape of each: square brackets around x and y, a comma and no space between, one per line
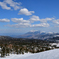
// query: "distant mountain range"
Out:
[49,37]
[38,35]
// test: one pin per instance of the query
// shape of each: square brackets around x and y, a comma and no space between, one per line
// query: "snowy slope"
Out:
[51,54]
[15,56]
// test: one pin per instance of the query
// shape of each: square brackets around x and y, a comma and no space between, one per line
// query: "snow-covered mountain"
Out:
[51,54]
[39,35]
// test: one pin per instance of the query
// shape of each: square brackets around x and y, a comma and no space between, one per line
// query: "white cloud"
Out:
[27,23]
[34,18]
[41,25]
[4,20]
[4,6]
[33,30]
[31,20]
[24,25]
[25,12]
[11,3]
[46,19]
[20,20]
[56,21]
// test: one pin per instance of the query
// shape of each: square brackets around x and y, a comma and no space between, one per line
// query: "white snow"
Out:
[50,32]
[51,54]
[52,44]
[33,30]
[56,35]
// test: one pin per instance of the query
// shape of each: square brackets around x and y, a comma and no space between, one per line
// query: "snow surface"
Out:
[51,54]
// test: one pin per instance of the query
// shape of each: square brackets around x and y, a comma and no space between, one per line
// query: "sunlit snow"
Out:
[51,54]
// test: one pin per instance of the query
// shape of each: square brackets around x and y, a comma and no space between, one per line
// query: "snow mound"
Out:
[51,54]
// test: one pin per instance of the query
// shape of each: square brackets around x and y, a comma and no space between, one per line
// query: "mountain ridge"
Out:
[38,35]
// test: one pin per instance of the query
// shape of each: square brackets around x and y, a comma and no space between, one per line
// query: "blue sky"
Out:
[20,16]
